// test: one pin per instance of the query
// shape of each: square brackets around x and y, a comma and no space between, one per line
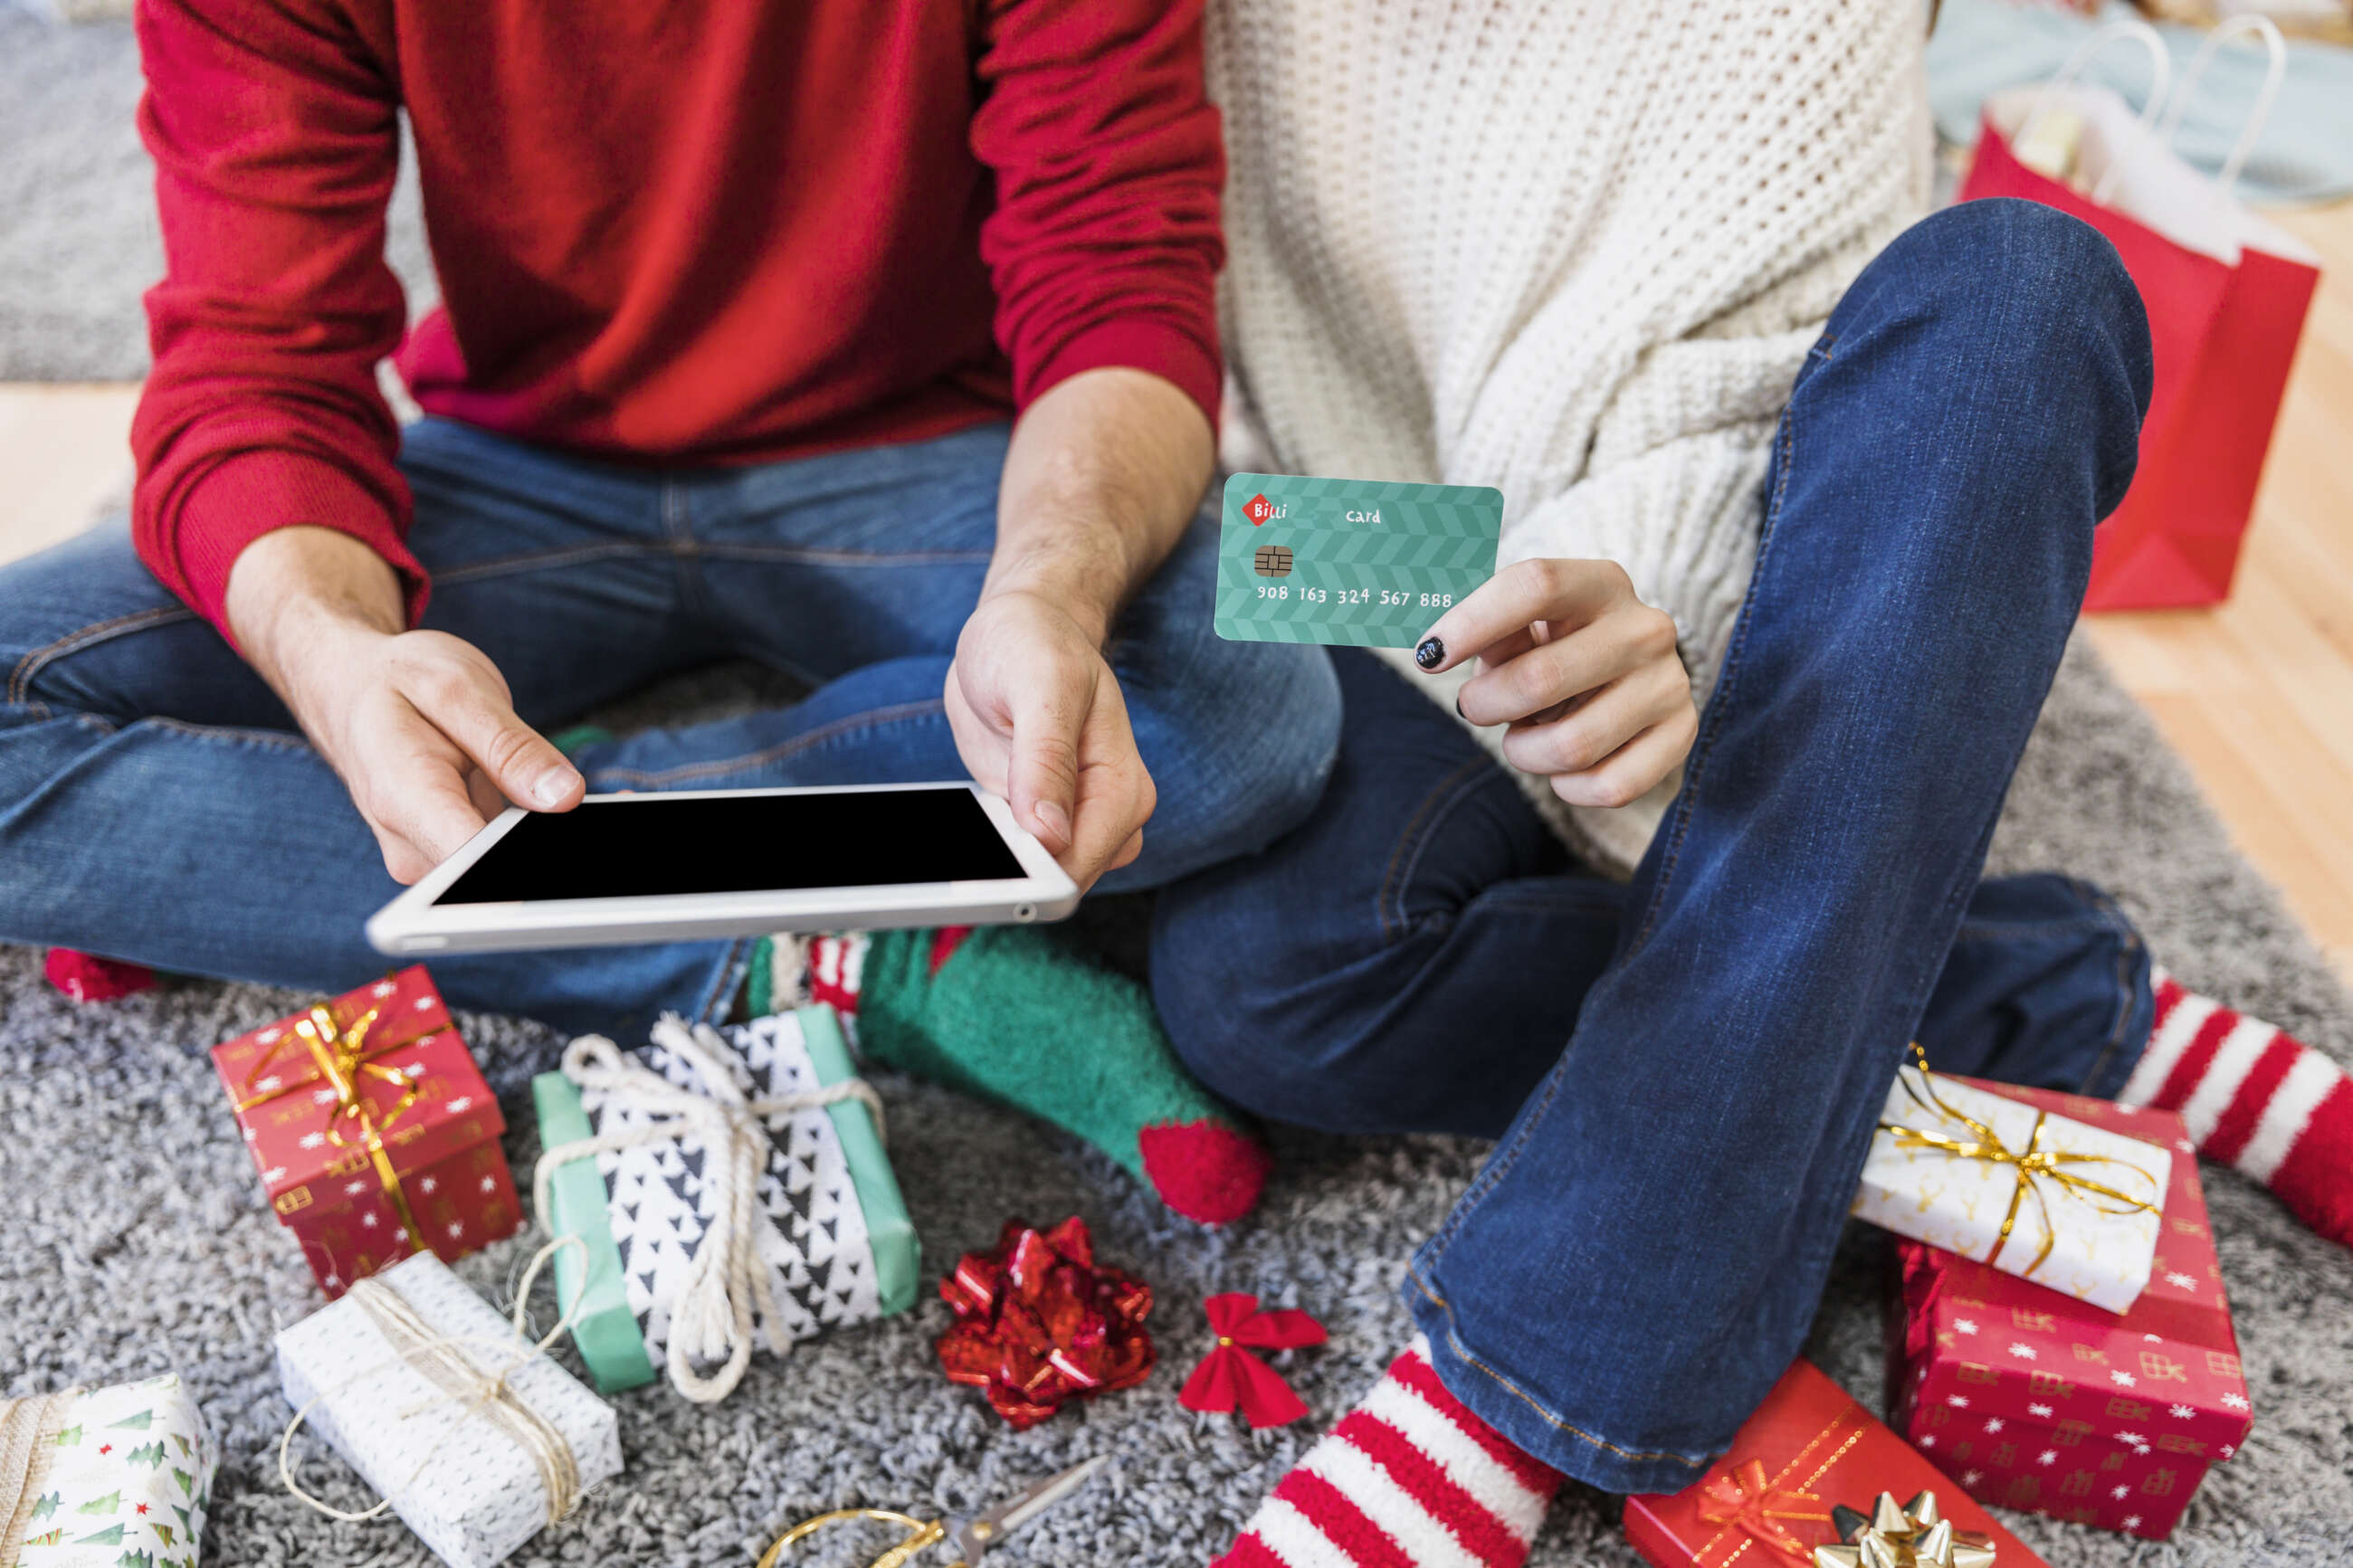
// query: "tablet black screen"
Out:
[650,845]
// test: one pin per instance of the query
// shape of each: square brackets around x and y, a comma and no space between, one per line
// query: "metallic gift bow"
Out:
[1230,1378]
[1745,1500]
[1915,1535]
[2034,1166]
[343,1059]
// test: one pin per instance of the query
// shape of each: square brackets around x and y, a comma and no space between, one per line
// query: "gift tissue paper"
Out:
[97,1478]
[2071,1206]
[476,1439]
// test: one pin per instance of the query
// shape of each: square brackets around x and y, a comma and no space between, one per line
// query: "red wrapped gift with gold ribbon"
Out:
[2030,1399]
[1767,1503]
[1039,1322]
[373,1129]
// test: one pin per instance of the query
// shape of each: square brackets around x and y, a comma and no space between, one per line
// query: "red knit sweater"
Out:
[689,231]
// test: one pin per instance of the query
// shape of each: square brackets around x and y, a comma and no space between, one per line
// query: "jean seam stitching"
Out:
[20,680]
[1470,1358]
[231,734]
[1726,688]
[2126,993]
[1499,1164]
[543,560]
[1409,844]
[793,747]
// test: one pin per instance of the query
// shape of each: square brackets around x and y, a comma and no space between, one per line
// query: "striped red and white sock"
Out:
[1410,1479]
[2257,1100]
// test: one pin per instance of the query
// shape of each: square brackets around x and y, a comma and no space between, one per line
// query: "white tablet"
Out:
[734,862]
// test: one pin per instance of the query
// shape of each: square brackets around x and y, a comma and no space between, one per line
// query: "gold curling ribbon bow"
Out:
[1745,1500]
[2034,1166]
[342,1056]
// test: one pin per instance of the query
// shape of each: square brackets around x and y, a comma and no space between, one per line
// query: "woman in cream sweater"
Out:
[1799,494]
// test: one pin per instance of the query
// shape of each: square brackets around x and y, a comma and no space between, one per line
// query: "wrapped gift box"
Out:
[114,1476]
[838,1239]
[1808,1448]
[461,1471]
[2034,1400]
[377,1141]
[2096,1246]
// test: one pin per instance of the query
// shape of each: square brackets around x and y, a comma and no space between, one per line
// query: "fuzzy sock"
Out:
[85,977]
[2257,1100]
[1008,1014]
[1410,1479]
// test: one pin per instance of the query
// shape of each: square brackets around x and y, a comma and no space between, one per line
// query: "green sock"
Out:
[1008,1014]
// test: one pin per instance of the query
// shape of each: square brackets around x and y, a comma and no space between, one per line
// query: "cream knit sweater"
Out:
[1577,249]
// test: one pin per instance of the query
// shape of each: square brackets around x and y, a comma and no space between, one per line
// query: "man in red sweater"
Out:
[871,338]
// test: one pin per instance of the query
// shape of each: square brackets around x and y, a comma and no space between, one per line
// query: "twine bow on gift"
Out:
[463,1382]
[2034,1165]
[1743,1498]
[343,1059]
[712,1320]
[1230,1378]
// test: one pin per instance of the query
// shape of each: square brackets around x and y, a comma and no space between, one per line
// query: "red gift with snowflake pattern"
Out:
[374,1131]
[2032,1400]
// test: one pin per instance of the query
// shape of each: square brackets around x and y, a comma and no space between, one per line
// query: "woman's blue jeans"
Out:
[1684,1073]
[156,802]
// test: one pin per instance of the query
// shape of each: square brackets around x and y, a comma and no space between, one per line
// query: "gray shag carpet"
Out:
[78,241]
[135,1240]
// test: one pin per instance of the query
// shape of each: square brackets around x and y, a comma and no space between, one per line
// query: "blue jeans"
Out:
[157,804]
[1684,1073]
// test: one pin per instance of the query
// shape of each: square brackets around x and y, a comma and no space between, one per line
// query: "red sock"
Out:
[1410,1479]
[2257,1100]
[85,977]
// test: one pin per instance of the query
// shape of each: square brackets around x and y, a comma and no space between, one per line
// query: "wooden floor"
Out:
[2257,694]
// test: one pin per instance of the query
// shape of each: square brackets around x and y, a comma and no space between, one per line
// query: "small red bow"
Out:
[1742,1499]
[1233,1379]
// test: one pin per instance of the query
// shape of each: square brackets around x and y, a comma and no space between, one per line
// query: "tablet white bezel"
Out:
[412,925]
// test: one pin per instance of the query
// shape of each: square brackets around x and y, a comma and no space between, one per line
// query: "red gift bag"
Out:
[2226,294]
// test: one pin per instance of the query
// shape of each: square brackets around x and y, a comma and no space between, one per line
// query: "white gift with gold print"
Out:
[2102,1244]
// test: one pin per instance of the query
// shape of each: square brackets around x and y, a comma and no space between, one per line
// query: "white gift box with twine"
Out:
[463,1424]
[2048,1198]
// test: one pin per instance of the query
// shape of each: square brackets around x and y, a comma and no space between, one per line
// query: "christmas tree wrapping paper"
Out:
[1808,1449]
[474,1472]
[374,1131]
[2034,1400]
[834,1230]
[114,1477]
[2050,1198]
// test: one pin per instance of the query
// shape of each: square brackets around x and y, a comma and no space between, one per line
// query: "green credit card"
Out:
[1356,562]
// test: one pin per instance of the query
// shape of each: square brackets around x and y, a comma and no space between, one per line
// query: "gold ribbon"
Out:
[343,1059]
[1743,1498]
[2034,1166]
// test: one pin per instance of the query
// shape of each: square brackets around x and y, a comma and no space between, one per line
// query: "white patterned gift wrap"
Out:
[2099,1255]
[125,1480]
[662,1208]
[471,1492]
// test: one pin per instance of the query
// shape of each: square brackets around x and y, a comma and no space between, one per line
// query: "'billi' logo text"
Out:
[1260,510]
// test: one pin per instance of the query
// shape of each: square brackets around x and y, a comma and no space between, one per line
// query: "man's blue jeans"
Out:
[1684,1072]
[156,804]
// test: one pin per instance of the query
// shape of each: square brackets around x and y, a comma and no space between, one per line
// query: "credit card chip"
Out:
[1272,561]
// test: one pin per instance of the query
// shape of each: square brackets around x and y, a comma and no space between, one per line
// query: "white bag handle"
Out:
[2161,83]
[2245,22]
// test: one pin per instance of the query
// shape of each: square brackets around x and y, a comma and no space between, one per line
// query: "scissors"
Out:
[971,1538]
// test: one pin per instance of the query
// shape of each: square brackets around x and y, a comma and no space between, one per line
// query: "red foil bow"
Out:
[1743,1500]
[1039,1322]
[1230,1378]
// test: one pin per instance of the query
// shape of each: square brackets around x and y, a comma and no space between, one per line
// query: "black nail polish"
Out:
[1431,654]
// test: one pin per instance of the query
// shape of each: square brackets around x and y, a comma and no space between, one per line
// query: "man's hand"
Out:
[1101,477]
[1039,718]
[1584,672]
[419,725]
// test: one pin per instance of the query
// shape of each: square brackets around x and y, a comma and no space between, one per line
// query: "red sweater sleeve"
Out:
[275,139]
[1105,246]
